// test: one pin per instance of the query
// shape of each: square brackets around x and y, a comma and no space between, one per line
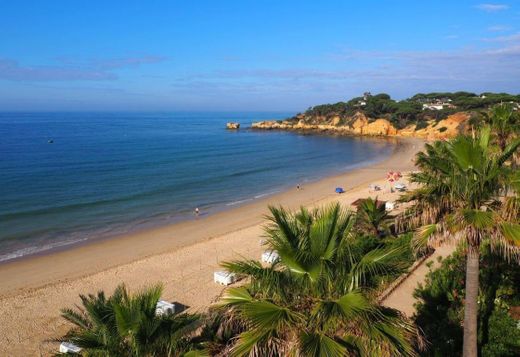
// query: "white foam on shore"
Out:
[238,202]
[234,203]
[35,250]
[267,193]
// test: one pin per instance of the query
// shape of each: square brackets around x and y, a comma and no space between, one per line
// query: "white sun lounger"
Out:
[270,256]
[69,347]
[224,277]
[164,308]
[399,186]
[389,206]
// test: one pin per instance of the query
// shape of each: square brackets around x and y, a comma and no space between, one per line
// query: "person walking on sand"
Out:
[298,187]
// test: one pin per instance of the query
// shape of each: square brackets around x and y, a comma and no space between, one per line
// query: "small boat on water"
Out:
[50,141]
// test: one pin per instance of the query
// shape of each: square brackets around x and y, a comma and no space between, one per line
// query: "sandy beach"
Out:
[182,256]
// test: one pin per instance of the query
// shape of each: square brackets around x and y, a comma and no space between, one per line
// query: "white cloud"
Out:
[499,28]
[492,7]
[509,38]
[72,70]
[397,72]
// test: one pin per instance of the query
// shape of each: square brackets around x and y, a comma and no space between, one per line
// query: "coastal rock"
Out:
[360,124]
[446,128]
[336,120]
[232,125]
[379,127]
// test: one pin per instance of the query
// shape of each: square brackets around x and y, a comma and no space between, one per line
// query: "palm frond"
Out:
[320,345]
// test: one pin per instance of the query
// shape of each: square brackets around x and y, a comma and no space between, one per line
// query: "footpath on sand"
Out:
[400,296]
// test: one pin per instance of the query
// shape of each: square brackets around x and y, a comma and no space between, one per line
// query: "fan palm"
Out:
[313,301]
[459,199]
[125,325]
[505,123]
[372,217]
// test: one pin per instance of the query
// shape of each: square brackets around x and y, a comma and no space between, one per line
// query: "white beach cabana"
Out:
[224,277]
[164,308]
[270,256]
[69,347]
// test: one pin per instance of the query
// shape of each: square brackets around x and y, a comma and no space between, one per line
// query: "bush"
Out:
[439,310]
[504,336]
[421,125]
[440,307]
[405,112]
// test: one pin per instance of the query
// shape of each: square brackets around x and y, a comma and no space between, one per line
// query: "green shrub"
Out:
[440,307]
[504,336]
[421,125]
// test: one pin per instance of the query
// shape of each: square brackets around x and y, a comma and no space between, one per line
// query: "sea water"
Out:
[69,177]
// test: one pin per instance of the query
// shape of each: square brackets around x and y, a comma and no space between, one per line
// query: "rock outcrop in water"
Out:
[233,126]
[360,124]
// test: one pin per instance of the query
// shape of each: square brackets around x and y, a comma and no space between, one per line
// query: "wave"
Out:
[267,193]
[38,249]
[234,203]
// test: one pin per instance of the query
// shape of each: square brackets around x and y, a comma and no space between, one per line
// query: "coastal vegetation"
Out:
[418,109]
[440,307]
[431,116]
[320,297]
[463,197]
[128,325]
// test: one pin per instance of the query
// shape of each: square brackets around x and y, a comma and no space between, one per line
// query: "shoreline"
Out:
[182,256]
[102,232]
[251,213]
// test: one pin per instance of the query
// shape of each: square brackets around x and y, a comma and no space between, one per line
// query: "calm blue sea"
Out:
[107,174]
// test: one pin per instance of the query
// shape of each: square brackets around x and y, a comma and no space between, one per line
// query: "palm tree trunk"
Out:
[489,291]
[471,304]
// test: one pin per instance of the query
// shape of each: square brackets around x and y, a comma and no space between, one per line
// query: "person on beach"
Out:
[197,212]
[298,187]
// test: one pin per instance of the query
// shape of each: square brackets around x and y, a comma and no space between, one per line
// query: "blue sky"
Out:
[249,55]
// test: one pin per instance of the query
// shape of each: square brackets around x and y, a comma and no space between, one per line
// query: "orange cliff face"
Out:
[360,124]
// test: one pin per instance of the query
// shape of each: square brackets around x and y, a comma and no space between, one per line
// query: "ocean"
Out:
[69,177]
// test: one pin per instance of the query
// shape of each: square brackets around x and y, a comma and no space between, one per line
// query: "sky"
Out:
[225,55]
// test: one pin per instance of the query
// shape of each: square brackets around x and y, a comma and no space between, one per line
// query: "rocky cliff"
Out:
[359,124]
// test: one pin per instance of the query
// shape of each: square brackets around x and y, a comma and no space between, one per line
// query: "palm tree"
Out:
[125,325]
[460,199]
[372,217]
[505,123]
[314,301]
